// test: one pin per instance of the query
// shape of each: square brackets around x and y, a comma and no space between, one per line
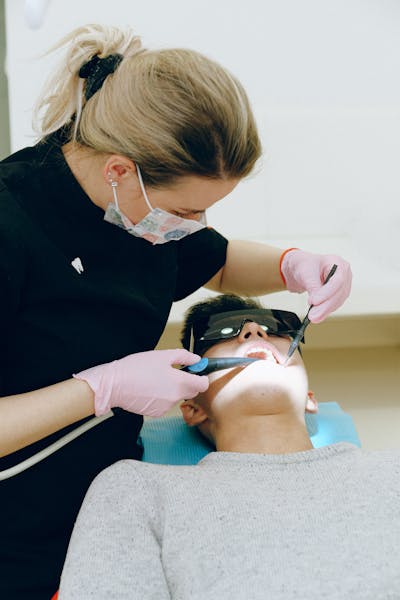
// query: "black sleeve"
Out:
[200,256]
[12,262]
[12,271]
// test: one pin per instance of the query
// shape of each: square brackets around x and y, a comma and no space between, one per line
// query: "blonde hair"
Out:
[173,111]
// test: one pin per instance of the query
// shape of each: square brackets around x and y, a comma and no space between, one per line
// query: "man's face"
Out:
[263,387]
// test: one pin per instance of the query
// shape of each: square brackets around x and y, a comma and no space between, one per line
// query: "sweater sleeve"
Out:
[115,550]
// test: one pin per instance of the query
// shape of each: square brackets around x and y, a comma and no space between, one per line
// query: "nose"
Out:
[250,330]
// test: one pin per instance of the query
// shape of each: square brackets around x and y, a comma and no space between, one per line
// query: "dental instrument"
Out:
[209,365]
[306,321]
[203,367]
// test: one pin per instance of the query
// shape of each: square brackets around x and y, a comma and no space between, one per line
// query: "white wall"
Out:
[323,78]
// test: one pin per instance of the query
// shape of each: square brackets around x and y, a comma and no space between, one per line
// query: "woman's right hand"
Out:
[144,383]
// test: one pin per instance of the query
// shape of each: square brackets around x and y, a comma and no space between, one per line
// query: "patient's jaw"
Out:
[265,388]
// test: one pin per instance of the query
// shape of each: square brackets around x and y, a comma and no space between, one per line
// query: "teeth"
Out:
[263,353]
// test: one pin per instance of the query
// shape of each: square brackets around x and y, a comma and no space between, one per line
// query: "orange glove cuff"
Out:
[281,260]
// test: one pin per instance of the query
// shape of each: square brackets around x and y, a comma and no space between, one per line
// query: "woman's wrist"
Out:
[84,397]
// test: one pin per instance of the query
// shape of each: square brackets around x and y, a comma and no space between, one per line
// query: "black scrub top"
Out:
[54,322]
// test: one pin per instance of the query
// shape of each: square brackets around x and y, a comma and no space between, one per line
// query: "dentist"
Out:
[102,228]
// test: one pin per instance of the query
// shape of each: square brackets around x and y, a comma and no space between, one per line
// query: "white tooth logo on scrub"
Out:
[77,264]
[158,226]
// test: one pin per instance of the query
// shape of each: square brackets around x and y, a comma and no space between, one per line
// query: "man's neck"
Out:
[272,434]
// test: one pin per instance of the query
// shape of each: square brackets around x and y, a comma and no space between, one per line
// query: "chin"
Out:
[263,379]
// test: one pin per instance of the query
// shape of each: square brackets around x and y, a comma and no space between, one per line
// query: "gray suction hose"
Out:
[33,460]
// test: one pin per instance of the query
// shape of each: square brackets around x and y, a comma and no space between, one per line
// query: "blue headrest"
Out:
[170,441]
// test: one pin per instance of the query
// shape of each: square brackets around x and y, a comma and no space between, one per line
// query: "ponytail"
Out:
[173,111]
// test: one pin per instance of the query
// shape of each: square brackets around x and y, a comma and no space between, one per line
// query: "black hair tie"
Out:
[96,70]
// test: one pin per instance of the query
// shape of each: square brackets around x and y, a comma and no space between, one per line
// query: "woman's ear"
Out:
[192,413]
[119,167]
[312,404]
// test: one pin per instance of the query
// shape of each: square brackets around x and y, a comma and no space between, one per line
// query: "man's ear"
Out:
[192,413]
[312,404]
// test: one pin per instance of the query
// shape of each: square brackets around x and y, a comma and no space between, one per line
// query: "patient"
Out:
[265,516]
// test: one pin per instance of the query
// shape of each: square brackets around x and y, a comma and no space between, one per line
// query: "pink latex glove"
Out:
[144,383]
[306,272]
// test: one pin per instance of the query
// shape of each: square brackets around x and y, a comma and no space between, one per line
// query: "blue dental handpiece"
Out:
[209,365]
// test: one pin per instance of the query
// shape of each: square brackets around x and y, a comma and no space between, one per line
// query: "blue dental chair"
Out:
[168,440]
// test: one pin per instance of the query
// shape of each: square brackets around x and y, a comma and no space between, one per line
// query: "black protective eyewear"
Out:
[227,325]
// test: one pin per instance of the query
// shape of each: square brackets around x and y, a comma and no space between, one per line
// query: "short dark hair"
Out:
[212,306]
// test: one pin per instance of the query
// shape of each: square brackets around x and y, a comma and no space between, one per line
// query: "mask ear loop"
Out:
[142,187]
[202,219]
[114,185]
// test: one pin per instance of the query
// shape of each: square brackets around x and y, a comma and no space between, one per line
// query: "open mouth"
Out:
[262,353]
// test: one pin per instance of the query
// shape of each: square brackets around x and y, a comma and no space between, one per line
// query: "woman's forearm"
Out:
[251,269]
[29,417]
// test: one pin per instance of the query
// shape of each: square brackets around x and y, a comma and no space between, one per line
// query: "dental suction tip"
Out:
[209,365]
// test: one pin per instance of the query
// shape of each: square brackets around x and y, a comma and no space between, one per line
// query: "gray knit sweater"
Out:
[320,524]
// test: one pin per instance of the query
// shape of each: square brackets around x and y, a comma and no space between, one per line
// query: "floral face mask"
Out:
[158,226]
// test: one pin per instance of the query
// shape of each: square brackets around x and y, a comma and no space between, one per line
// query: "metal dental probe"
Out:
[209,365]
[306,321]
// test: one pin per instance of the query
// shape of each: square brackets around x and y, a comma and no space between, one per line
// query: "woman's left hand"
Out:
[306,272]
